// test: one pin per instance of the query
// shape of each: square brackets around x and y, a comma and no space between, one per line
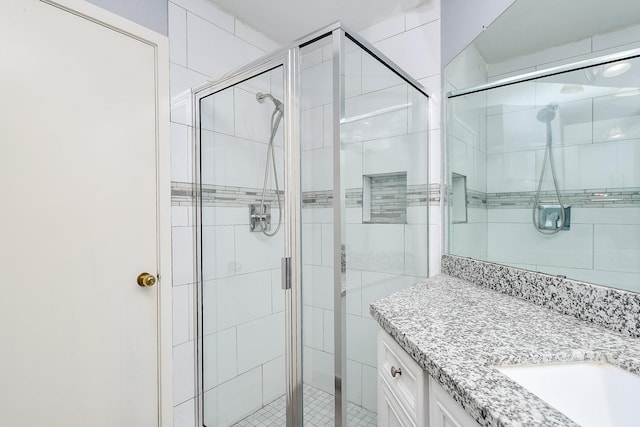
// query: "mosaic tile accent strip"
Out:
[458,331]
[614,309]
[588,198]
[184,194]
[476,199]
[318,412]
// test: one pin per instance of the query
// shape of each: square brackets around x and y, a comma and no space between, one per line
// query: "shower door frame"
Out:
[289,59]
[291,212]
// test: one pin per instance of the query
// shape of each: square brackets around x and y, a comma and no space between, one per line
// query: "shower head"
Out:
[262,96]
[548,113]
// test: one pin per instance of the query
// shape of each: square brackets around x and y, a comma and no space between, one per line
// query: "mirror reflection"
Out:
[550,160]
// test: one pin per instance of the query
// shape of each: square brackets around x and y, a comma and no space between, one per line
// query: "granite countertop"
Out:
[457,331]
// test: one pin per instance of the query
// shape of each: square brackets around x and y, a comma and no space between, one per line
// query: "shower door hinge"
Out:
[286,272]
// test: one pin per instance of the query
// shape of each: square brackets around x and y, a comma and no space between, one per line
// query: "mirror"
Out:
[530,145]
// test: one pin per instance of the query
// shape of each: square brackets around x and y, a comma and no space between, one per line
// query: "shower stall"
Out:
[312,202]
[543,170]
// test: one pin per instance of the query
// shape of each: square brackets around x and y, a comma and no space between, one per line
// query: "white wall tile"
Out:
[615,38]
[225,215]
[182,316]
[220,358]
[376,247]
[353,70]
[354,382]
[361,339]
[253,118]
[416,253]
[317,370]
[181,216]
[208,11]
[177,34]
[183,372]
[257,252]
[217,113]
[617,248]
[214,60]
[380,285]
[376,115]
[435,248]
[598,166]
[312,244]
[406,153]
[182,248]
[182,79]
[313,324]
[389,27]
[327,244]
[260,341]
[241,299]
[255,37]
[316,85]
[430,11]
[416,51]
[181,153]
[231,161]
[328,331]
[375,75]
[317,286]
[277,293]
[222,406]
[521,243]
[209,313]
[184,415]
[354,291]
[312,128]
[369,388]
[218,246]
[313,170]
[273,380]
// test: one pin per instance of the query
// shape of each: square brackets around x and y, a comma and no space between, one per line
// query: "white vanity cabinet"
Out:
[408,397]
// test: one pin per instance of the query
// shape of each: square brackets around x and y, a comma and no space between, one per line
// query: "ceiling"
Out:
[529,26]
[287,20]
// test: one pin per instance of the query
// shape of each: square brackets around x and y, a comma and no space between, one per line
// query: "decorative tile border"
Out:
[184,194]
[614,309]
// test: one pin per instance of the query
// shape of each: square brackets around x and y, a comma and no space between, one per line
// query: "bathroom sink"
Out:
[590,393]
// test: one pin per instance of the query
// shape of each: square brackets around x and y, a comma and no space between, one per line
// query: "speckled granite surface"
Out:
[612,308]
[457,331]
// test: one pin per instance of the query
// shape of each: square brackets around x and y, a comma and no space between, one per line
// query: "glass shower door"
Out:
[242,205]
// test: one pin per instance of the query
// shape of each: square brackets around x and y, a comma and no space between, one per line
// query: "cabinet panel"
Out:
[390,414]
[444,411]
[409,384]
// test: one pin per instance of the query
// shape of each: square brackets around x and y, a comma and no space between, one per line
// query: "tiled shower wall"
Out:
[500,150]
[205,43]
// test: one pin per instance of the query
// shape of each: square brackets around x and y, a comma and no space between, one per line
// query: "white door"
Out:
[82,152]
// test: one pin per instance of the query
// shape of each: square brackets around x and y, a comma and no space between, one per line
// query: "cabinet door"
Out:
[390,413]
[444,411]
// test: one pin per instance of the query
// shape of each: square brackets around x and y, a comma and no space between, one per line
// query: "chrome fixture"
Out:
[260,218]
[545,219]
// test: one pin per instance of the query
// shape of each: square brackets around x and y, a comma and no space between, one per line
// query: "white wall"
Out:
[150,13]
[464,20]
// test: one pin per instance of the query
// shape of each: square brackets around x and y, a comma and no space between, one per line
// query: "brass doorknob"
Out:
[146,279]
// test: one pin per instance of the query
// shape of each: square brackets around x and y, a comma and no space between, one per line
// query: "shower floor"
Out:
[318,412]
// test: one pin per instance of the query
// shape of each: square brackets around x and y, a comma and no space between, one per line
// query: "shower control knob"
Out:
[146,280]
[395,371]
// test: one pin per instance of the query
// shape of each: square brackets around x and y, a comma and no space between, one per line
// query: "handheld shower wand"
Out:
[546,116]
